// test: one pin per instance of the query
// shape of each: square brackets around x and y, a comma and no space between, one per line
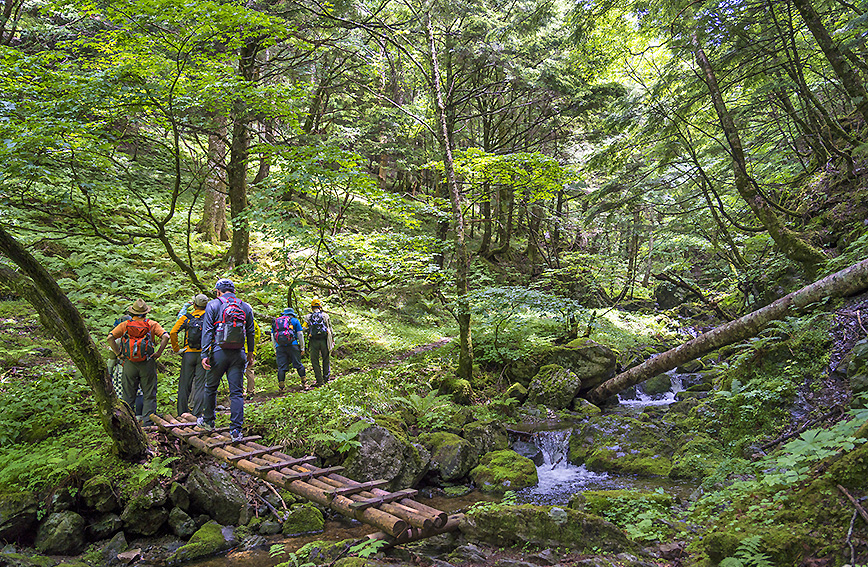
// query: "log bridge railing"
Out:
[399,517]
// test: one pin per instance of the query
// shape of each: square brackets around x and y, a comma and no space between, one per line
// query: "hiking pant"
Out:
[286,355]
[250,374]
[191,384]
[141,374]
[231,363]
[320,348]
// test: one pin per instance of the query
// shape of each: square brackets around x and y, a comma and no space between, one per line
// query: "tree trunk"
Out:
[213,225]
[66,324]
[462,257]
[848,281]
[787,241]
[853,86]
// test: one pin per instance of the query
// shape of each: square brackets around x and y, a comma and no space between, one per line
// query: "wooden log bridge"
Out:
[399,517]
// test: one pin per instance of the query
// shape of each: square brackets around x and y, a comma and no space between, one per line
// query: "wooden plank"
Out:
[285,464]
[256,453]
[186,434]
[361,487]
[311,474]
[181,424]
[231,442]
[391,497]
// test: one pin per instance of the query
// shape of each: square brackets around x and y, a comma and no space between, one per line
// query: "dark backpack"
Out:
[137,345]
[284,333]
[231,327]
[317,326]
[193,325]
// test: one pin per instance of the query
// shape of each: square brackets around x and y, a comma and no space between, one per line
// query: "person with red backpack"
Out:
[137,337]
[191,381]
[288,338]
[227,326]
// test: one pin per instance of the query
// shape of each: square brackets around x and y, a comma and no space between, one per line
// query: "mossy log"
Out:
[848,281]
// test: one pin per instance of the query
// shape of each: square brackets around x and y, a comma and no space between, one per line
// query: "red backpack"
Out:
[231,327]
[284,334]
[137,344]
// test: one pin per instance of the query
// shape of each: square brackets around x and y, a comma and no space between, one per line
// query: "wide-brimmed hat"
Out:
[139,307]
[289,311]
[200,300]
[224,284]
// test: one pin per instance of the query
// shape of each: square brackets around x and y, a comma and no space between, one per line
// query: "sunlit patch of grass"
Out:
[621,330]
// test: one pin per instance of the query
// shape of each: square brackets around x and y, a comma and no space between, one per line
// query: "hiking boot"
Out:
[249,395]
[200,421]
[236,435]
[280,387]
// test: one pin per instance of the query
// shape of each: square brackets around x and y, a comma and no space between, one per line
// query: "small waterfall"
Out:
[558,479]
[644,399]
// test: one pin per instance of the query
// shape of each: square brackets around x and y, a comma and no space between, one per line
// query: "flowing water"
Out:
[638,398]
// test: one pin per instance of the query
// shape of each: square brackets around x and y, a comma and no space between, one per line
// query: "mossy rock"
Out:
[486,436]
[598,502]
[622,444]
[697,457]
[516,391]
[452,457]
[210,539]
[303,519]
[543,526]
[657,384]
[22,560]
[585,408]
[504,470]
[554,386]
[851,470]
[460,389]
[592,362]
[783,545]
[18,515]
[321,552]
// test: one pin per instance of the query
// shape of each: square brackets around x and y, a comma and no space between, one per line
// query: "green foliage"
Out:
[155,468]
[368,547]
[748,554]
[344,440]
[640,517]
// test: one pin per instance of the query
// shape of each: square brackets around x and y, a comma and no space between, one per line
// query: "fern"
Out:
[748,554]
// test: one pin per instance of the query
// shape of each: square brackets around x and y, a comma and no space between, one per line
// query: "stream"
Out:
[558,481]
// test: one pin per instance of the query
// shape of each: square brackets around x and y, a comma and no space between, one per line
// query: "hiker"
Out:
[226,326]
[140,360]
[116,371]
[288,338]
[191,381]
[249,373]
[321,341]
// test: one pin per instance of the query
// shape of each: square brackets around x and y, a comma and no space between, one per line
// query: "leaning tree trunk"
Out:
[846,282]
[66,324]
[787,241]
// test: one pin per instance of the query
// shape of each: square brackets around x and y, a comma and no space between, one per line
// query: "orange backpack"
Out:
[137,344]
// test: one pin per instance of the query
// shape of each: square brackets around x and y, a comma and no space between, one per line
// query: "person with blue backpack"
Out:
[191,381]
[288,338]
[321,341]
[227,326]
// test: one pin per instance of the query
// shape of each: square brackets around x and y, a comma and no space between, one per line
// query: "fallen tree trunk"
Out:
[848,281]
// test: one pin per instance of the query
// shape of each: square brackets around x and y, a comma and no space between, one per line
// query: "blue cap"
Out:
[224,284]
[289,311]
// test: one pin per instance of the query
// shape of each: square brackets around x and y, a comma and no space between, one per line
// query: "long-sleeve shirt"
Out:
[212,316]
[296,327]
[330,339]
[179,324]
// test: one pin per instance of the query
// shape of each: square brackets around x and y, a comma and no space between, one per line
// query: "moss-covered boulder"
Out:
[18,511]
[516,391]
[214,491]
[622,444]
[554,386]
[486,436]
[657,385]
[386,452]
[62,533]
[144,514]
[598,502]
[320,552]
[697,456]
[504,470]
[98,493]
[452,457]
[210,539]
[585,408]
[303,519]
[544,526]
[12,559]
[460,389]
[593,363]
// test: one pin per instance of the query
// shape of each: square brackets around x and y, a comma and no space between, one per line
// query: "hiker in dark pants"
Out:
[191,382]
[320,341]
[227,326]
[288,338]
[140,361]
